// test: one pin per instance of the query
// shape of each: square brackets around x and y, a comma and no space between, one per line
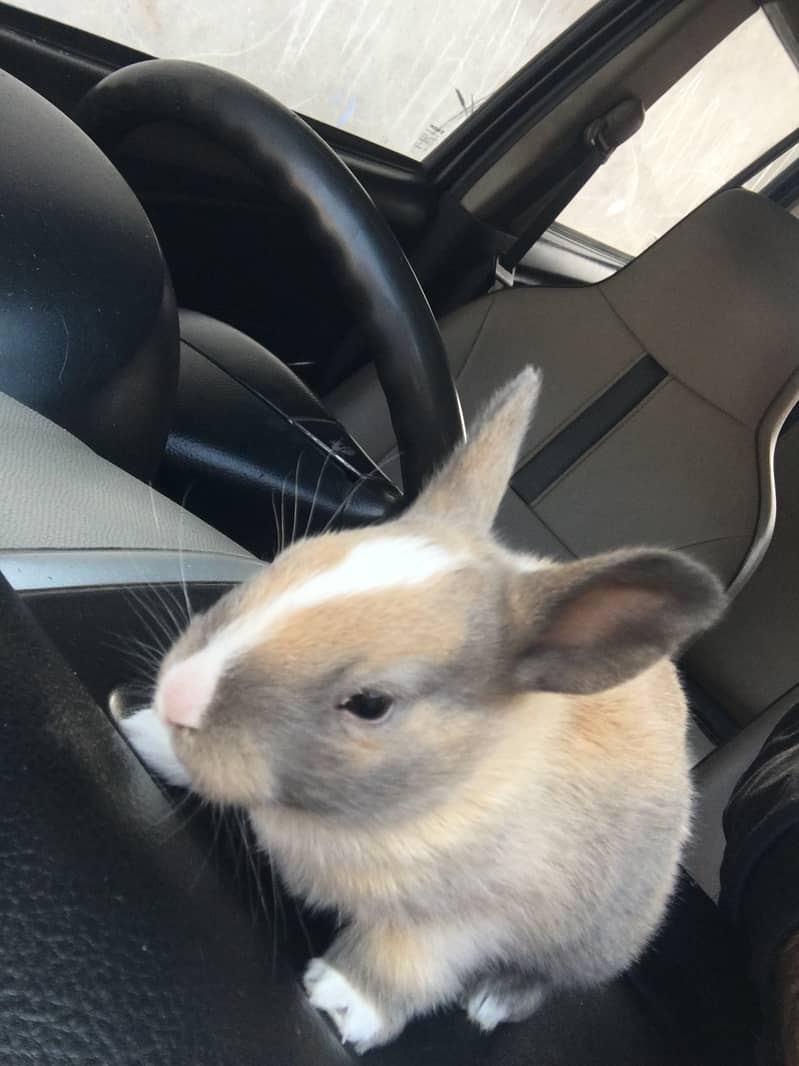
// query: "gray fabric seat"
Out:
[713,309]
[69,517]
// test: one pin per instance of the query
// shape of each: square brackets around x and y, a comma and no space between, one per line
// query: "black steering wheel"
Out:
[335,216]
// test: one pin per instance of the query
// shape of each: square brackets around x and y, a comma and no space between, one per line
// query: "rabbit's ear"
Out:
[469,487]
[587,626]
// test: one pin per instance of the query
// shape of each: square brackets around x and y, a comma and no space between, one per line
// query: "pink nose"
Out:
[185,692]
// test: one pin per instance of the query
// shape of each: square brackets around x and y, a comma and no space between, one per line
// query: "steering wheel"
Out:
[335,216]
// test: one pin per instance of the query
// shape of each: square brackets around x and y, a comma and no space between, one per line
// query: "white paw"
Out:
[358,1022]
[487,1011]
[149,738]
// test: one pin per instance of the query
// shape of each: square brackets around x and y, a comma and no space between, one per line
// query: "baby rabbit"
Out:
[477,757]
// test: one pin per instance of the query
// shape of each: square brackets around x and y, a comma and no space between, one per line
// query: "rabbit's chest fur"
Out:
[570,827]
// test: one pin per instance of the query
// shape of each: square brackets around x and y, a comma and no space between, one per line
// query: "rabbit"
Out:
[477,757]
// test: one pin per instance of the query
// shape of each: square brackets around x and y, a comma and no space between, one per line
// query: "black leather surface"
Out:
[333,215]
[87,314]
[120,944]
[113,635]
[127,939]
[265,376]
[254,453]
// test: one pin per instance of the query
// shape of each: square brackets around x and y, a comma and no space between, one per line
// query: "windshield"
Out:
[402,74]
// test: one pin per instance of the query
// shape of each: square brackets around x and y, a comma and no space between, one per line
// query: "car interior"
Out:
[226,327]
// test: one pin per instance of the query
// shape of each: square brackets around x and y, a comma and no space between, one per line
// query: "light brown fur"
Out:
[433,630]
[602,742]
[515,818]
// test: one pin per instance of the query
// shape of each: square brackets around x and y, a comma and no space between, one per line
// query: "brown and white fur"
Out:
[513,822]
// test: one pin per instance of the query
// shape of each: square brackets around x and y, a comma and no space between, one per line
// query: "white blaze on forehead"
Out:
[384,563]
[375,564]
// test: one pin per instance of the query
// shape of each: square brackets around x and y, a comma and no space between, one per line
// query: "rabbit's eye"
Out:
[368,704]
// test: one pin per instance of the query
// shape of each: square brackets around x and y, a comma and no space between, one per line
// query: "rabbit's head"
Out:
[361,675]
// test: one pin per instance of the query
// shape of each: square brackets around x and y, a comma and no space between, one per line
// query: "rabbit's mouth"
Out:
[223,768]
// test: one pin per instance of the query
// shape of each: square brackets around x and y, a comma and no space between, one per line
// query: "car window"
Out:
[402,74]
[769,172]
[735,103]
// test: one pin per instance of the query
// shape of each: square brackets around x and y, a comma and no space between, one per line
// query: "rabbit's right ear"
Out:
[590,625]
[469,488]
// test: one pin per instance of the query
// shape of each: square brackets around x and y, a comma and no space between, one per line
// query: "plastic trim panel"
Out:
[27,571]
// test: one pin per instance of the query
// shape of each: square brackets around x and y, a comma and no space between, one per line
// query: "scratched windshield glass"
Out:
[404,74]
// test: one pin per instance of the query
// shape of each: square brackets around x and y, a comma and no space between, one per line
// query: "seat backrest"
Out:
[715,303]
[664,391]
[696,357]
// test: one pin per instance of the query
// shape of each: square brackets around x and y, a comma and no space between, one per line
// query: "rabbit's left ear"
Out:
[587,626]
[469,488]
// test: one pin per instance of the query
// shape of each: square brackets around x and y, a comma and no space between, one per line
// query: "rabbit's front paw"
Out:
[358,1021]
[499,1001]
[149,738]
[487,1010]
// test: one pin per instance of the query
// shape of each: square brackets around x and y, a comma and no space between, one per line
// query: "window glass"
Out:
[771,170]
[403,73]
[734,104]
